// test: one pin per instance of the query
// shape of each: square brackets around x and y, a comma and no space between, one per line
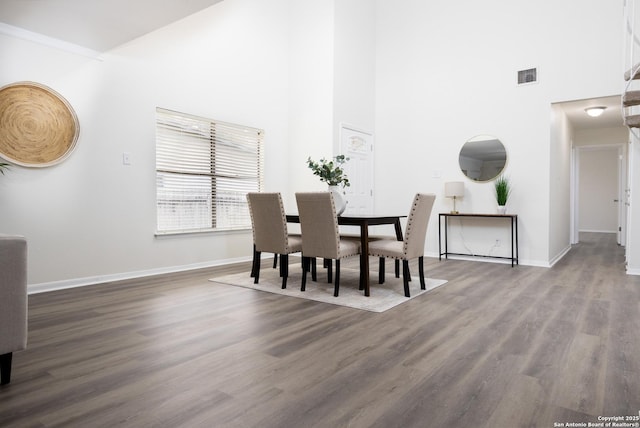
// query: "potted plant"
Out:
[503,189]
[331,172]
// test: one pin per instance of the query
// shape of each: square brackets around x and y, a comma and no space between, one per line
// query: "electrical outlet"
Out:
[126,158]
[498,242]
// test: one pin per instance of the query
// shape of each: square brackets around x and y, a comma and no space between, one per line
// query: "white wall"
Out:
[92,218]
[441,75]
[446,73]
[354,68]
[559,185]
[601,136]
[332,81]
[311,82]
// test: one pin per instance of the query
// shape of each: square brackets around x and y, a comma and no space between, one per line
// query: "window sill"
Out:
[158,234]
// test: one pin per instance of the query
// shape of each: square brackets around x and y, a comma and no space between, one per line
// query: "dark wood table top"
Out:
[357,219]
[364,221]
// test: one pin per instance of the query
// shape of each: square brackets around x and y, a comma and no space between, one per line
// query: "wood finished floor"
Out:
[495,347]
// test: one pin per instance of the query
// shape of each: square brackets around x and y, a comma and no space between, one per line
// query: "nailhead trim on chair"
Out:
[284,220]
[416,201]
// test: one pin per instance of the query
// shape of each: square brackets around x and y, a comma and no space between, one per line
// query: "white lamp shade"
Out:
[454,189]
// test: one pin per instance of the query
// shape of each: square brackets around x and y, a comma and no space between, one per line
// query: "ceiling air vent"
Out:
[527,76]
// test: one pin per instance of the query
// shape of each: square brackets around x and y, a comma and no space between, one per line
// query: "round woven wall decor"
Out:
[38,127]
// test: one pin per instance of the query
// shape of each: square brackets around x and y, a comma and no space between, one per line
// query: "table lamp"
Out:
[454,189]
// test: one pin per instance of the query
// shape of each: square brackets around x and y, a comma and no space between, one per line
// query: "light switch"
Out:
[126,158]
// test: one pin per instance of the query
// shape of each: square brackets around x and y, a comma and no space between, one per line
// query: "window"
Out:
[204,169]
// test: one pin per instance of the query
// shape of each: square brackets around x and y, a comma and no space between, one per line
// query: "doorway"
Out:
[606,135]
[357,145]
[600,180]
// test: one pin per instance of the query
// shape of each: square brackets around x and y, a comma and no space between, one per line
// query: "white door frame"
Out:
[622,192]
[623,161]
[574,196]
[344,127]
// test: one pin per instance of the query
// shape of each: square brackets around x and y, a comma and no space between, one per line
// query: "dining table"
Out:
[363,221]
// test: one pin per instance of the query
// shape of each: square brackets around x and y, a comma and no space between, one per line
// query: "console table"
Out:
[513,218]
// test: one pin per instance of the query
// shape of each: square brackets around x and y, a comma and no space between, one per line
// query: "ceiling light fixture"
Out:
[595,111]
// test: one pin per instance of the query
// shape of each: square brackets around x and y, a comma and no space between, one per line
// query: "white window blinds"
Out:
[204,169]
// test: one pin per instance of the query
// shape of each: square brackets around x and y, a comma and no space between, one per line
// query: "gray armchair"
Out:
[13,301]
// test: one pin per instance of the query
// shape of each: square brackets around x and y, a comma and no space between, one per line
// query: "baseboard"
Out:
[82,282]
[559,257]
[633,271]
[521,262]
[45,287]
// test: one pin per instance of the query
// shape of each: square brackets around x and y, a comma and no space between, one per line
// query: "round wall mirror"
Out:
[482,158]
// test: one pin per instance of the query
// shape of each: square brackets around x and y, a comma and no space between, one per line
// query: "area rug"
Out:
[383,296]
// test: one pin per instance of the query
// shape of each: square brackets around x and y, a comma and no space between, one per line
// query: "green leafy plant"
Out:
[503,189]
[330,171]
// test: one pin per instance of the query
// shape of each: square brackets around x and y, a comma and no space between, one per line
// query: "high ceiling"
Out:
[99,25]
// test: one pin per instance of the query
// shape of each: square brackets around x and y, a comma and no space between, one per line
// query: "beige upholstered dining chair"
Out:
[412,246]
[320,234]
[13,301]
[270,234]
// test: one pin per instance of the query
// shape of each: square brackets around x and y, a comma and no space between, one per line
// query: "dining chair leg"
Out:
[5,368]
[381,270]
[336,287]
[362,273]
[314,269]
[405,277]
[305,269]
[421,272]
[256,271]
[275,260]
[328,265]
[397,268]
[253,262]
[284,269]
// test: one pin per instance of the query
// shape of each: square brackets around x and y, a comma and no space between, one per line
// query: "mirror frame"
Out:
[491,149]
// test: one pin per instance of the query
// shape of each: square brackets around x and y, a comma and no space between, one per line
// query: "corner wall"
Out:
[633,220]
[311,98]
[91,218]
[560,185]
